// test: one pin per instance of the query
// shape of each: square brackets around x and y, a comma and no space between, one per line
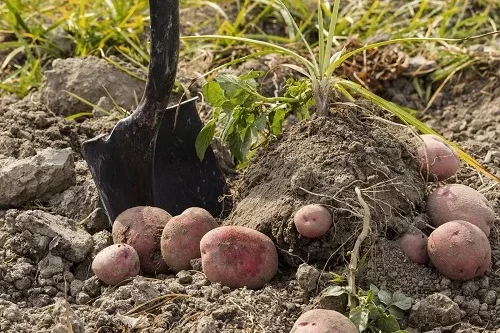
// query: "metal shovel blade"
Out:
[121,166]
[181,180]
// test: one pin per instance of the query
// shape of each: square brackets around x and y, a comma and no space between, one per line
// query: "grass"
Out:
[34,32]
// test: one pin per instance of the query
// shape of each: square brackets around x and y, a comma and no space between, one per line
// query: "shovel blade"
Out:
[181,180]
[121,166]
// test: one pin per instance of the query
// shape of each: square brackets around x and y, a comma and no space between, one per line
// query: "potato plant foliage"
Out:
[378,310]
[244,118]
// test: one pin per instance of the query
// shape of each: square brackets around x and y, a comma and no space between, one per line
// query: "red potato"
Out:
[460,202]
[459,250]
[312,220]
[414,245]
[437,160]
[116,263]
[238,257]
[323,321]
[141,228]
[180,240]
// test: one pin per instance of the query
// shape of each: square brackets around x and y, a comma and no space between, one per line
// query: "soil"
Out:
[48,241]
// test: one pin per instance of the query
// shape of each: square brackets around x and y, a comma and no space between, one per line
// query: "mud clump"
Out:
[90,78]
[321,161]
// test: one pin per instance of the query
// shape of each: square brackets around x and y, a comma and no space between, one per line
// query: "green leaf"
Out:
[204,138]
[233,85]
[334,291]
[336,278]
[396,312]
[360,316]
[213,93]
[252,75]
[387,323]
[252,133]
[235,147]
[375,311]
[278,119]
[79,115]
[244,99]
[228,106]
[401,301]
[385,297]
[370,295]
[232,121]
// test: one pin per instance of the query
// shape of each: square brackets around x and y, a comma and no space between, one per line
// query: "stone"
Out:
[37,177]
[491,297]
[50,266]
[307,276]
[67,239]
[434,311]
[333,298]
[90,78]
[206,325]
[184,277]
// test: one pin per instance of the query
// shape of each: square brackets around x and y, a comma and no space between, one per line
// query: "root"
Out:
[351,209]
[353,265]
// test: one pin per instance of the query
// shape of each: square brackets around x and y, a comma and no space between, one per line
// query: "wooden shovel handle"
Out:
[163,59]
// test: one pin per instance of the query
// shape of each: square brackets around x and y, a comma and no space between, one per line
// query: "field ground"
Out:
[52,224]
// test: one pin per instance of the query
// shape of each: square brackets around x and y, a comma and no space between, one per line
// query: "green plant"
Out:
[39,31]
[320,72]
[247,118]
[377,310]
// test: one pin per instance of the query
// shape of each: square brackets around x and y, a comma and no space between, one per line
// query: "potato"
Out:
[460,202]
[323,321]
[459,250]
[116,263]
[141,228]
[238,257]
[180,240]
[312,220]
[414,245]
[436,159]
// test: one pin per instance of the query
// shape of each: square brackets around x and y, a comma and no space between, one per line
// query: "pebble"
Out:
[184,277]
[491,297]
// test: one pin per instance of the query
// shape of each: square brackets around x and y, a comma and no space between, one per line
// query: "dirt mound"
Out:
[27,126]
[321,161]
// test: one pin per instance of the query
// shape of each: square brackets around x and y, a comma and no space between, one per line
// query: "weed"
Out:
[41,30]
[377,310]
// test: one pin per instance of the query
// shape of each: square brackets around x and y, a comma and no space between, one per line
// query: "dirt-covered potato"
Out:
[312,220]
[116,263]
[436,159]
[460,202]
[414,245]
[141,228]
[459,250]
[180,240]
[238,257]
[323,321]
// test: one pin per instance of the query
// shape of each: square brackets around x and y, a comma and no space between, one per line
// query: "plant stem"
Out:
[353,265]
[321,89]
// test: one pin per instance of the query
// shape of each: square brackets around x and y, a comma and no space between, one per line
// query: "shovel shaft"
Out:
[164,56]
